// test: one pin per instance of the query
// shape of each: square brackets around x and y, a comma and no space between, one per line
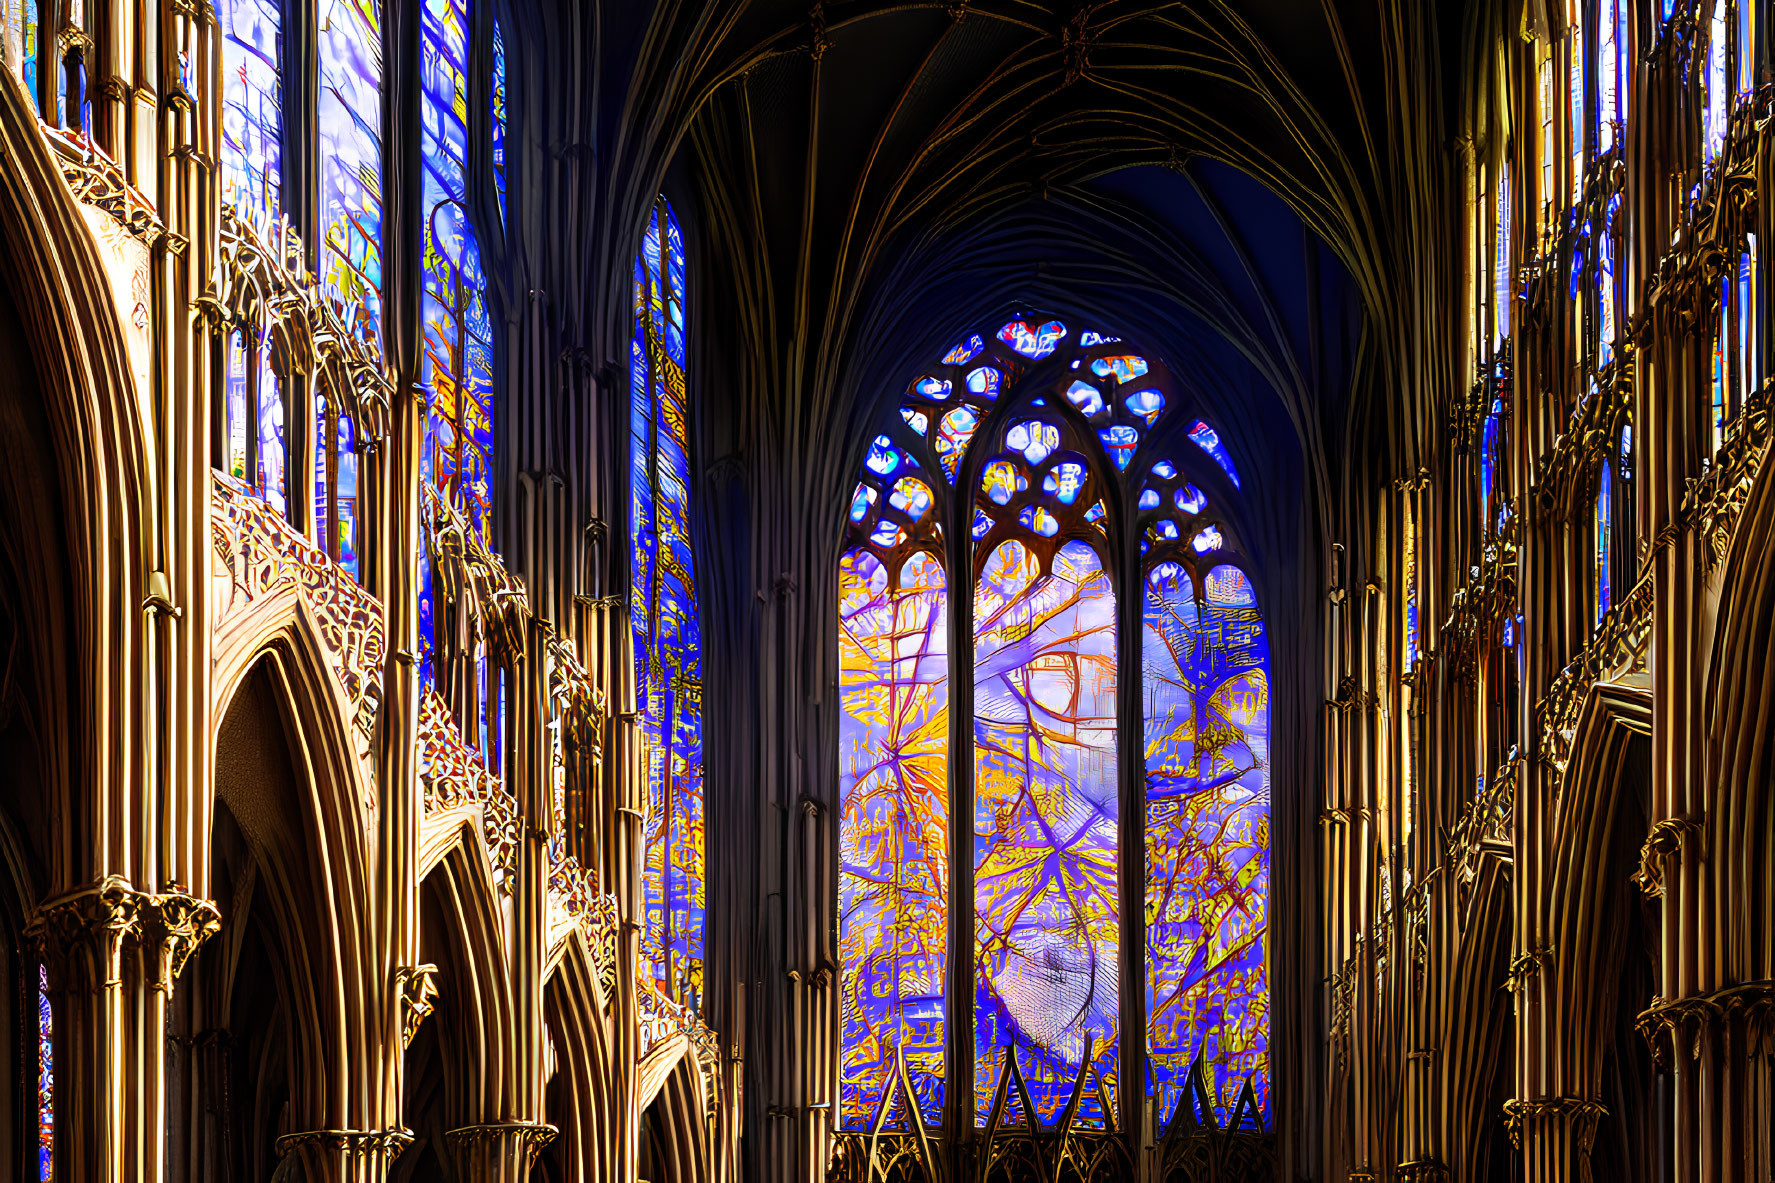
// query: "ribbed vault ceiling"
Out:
[1242,186]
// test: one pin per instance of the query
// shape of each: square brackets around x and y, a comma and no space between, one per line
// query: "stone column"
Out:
[498,1152]
[113,955]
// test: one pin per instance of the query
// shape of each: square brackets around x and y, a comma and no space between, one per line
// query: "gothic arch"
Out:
[314,866]
[1595,829]
[463,934]
[100,490]
[1739,699]
[582,1092]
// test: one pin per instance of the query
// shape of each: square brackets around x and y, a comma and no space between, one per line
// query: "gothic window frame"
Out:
[962,537]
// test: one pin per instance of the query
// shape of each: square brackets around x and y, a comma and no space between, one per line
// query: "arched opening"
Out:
[233,1019]
[33,813]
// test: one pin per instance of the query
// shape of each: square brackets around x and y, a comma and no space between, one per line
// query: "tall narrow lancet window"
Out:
[23,48]
[1206,701]
[1612,71]
[349,158]
[1031,455]
[252,109]
[1737,354]
[1577,128]
[498,117]
[1046,911]
[663,615]
[1500,285]
[1603,526]
[45,1080]
[458,454]
[893,672]
[1718,109]
[252,187]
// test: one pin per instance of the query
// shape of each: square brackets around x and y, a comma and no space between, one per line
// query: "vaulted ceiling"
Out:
[1251,188]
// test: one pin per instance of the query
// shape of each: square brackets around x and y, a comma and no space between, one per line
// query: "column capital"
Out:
[498,1151]
[82,934]
[1579,1115]
[1672,1026]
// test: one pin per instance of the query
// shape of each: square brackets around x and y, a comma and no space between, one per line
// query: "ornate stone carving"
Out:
[1620,643]
[175,925]
[1713,501]
[1671,1026]
[350,1143]
[1661,845]
[418,986]
[1525,968]
[81,935]
[1581,1112]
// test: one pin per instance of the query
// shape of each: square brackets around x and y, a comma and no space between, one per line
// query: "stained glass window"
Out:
[1490,443]
[1046,918]
[1205,698]
[1604,530]
[350,161]
[499,117]
[1612,71]
[22,32]
[1719,107]
[270,482]
[663,614]
[1501,262]
[1737,361]
[893,829]
[252,113]
[45,1079]
[1021,462]
[458,456]
[1575,72]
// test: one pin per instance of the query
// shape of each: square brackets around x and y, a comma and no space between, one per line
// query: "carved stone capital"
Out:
[1576,1115]
[418,986]
[81,935]
[534,1134]
[1664,843]
[1673,1026]
[350,1144]
[501,1149]
[1423,1170]
[1526,968]
[174,925]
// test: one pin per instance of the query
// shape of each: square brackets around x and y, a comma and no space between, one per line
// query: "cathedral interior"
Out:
[512,667]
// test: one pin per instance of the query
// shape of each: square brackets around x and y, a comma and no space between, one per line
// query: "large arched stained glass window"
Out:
[1041,494]
[663,615]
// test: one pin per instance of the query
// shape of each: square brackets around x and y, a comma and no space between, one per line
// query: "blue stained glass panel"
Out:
[1045,841]
[457,459]
[663,616]
[252,113]
[350,155]
[270,477]
[893,742]
[498,100]
[23,31]
[1205,700]
[1208,440]
[45,1080]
